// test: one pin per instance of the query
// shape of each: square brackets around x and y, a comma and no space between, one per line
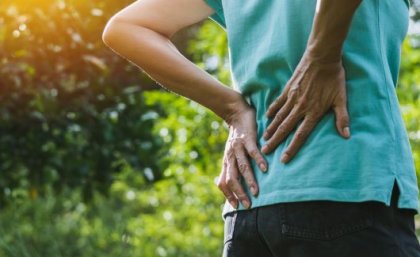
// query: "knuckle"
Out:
[253,153]
[225,160]
[230,182]
[235,144]
[281,130]
[293,94]
[310,119]
[292,91]
[300,135]
[242,167]
[279,115]
[230,197]
[241,196]
[230,155]
[304,99]
[221,185]
[276,120]
[302,105]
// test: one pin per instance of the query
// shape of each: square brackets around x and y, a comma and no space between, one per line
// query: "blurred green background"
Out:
[95,158]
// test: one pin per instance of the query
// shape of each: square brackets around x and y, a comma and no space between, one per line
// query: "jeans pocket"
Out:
[324,221]
[229,226]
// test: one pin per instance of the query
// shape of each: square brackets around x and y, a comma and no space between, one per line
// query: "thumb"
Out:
[342,122]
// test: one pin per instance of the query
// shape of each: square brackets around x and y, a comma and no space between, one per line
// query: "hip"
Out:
[322,228]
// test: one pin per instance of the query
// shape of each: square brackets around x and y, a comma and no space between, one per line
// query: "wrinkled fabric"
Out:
[322,229]
[266,41]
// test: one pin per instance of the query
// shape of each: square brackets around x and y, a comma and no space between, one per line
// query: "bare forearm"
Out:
[330,28]
[158,57]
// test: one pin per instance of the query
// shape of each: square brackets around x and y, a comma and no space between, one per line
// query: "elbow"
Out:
[112,32]
[109,33]
[106,34]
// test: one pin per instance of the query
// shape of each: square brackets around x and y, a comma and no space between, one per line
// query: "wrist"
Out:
[234,108]
[323,52]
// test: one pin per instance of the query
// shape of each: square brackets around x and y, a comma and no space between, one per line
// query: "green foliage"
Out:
[72,110]
[177,216]
[76,124]
[210,51]
[409,96]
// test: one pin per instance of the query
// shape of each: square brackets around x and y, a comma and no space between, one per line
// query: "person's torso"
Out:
[266,40]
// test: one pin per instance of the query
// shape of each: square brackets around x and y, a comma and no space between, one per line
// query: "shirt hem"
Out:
[338,195]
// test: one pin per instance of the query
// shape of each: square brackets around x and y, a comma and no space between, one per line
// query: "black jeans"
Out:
[322,229]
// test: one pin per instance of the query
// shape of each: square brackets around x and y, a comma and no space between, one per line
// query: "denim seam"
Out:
[262,241]
[325,235]
[231,230]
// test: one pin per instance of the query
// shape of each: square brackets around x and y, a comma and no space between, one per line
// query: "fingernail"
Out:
[265,135]
[246,204]
[284,158]
[264,149]
[254,190]
[263,167]
[346,131]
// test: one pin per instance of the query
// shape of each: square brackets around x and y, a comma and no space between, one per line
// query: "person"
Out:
[314,88]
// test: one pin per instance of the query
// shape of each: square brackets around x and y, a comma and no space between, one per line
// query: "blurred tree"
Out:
[71,110]
[415,4]
[74,115]
[409,95]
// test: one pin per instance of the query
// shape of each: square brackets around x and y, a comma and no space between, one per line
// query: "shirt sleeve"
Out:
[218,15]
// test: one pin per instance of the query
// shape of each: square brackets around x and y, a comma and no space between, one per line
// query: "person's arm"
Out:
[318,82]
[141,33]
[331,25]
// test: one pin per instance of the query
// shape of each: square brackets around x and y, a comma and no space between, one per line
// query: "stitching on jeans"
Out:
[231,228]
[228,246]
[262,241]
[327,234]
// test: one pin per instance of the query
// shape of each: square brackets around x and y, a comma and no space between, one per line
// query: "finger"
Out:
[299,139]
[342,121]
[278,119]
[282,131]
[284,96]
[277,104]
[246,170]
[254,152]
[234,184]
[222,185]
[280,101]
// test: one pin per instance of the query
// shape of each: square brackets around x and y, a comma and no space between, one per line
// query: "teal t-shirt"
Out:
[266,40]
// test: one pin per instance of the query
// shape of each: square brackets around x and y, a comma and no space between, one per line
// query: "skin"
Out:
[141,33]
[316,86]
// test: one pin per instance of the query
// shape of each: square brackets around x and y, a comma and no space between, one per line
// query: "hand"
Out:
[314,88]
[240,145]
